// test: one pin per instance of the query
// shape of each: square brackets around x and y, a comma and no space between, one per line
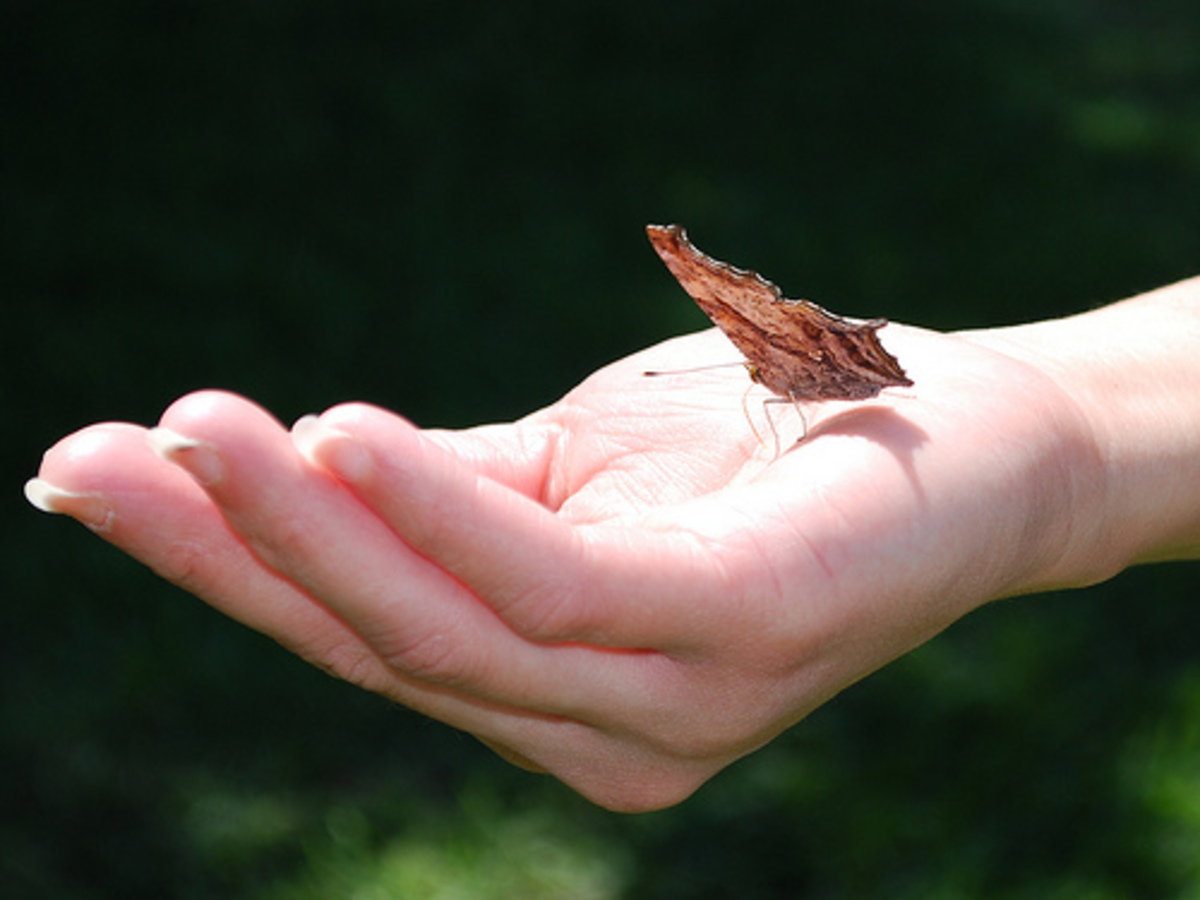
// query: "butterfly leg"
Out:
[795,403]
[750,419]
[800,413]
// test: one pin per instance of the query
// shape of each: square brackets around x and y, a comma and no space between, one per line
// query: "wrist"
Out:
[1132,461]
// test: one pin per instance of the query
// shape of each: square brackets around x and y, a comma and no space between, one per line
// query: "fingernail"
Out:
[197,458]
[89,509]
[332,449]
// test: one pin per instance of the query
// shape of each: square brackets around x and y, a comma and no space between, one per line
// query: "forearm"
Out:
[1133,370]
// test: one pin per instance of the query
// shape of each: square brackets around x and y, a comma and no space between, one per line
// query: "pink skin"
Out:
[622,589]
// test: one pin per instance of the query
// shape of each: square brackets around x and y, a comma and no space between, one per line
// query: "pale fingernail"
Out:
[330,448]
[197,458]
[89,509]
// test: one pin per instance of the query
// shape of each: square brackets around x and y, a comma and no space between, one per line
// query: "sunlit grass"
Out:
[1162,768]
[484,852]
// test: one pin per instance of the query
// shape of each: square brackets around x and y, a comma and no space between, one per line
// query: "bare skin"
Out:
[624,589]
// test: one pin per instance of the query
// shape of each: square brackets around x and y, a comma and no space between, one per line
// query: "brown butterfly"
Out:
[792,347]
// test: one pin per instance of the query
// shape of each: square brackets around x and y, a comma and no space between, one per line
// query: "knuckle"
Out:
[548,613]
[183,565]
[353,663]
[440,657]
[562,602]
[282,541]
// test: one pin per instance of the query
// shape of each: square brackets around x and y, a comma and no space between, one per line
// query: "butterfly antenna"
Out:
[652,373]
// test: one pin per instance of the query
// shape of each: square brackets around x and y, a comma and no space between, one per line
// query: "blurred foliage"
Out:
[439,207]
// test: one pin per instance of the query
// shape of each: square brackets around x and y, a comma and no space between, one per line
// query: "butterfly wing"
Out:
[793,347]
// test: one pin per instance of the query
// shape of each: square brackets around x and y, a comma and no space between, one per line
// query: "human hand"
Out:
[626,589]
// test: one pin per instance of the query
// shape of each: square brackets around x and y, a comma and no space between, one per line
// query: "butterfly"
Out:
[794,348]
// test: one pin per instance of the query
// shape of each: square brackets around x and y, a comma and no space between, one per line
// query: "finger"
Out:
[109,478]
[552,580]
[421,621]
[516,455]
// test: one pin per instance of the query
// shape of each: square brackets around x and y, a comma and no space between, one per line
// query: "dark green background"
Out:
[439,207]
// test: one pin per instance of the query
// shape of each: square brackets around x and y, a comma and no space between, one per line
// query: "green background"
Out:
[439,207]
